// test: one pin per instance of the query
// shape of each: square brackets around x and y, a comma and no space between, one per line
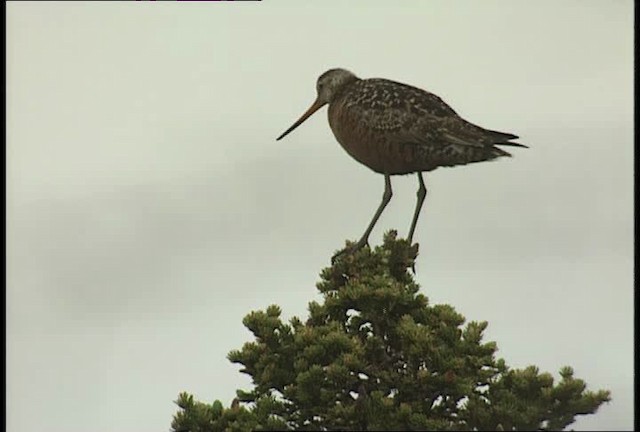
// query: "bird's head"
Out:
[329,85]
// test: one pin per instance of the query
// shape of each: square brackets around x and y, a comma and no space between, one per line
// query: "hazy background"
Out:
[150,207]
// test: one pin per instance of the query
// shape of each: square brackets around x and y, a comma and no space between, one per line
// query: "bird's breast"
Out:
[375,148]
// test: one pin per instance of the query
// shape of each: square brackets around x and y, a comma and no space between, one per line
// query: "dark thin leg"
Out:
[422,193]
[386,197]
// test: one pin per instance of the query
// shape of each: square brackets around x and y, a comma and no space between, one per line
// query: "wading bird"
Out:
[397,129]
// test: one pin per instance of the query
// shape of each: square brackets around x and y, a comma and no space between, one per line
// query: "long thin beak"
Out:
[313,108]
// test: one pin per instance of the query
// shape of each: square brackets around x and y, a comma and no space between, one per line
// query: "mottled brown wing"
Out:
[409,115]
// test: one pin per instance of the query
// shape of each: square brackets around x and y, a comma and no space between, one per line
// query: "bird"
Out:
[398,129]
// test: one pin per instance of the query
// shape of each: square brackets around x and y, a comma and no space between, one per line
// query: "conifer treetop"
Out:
[375,355]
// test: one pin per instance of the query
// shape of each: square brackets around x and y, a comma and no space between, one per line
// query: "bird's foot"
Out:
[350,249]
[414,254]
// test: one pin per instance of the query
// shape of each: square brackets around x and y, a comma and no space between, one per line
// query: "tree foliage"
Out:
[375,355]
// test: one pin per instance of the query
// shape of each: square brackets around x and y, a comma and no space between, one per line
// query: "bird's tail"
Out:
[512,144]
[504,139]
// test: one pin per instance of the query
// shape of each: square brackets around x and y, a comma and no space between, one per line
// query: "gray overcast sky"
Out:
[150,207]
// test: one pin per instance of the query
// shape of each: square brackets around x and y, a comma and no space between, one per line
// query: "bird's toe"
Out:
[350,249]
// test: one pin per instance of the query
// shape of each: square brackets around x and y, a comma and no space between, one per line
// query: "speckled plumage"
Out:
[395,128]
